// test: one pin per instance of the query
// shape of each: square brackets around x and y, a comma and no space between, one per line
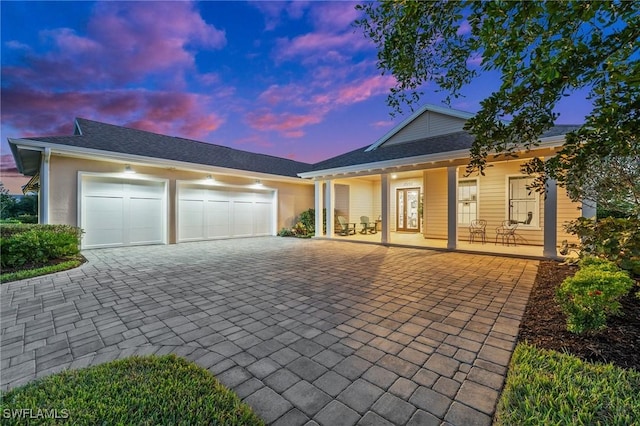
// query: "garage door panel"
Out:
[228,213]
[262,218]
[116,211]
[218,218]
[104,221]
[146,221]
[191,219]
[242,218]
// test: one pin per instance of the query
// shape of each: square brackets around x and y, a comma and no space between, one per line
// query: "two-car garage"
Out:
[116,211]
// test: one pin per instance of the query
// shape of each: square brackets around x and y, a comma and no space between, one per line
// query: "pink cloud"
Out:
[464,28]
[386,123]
[273,11]
[38,113]
[311,44]
[123,44]
[335,15]
[475,59]
[289,125]
[365,89]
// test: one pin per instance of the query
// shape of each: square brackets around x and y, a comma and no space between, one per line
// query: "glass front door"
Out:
[407,217]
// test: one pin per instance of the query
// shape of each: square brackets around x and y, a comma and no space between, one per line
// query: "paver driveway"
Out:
[303,330]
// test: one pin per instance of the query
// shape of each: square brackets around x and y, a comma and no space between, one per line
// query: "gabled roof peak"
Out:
[427,107]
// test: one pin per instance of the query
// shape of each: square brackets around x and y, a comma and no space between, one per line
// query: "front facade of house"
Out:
[129,187]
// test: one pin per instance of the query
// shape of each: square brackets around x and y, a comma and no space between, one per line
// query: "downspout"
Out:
[43,200]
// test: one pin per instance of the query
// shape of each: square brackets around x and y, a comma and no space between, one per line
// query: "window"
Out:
[523,203]
[467,201]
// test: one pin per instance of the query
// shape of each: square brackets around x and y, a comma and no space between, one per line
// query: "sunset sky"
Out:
[292,79]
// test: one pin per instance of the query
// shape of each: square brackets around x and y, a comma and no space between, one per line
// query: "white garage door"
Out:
[209,213]
[122,212]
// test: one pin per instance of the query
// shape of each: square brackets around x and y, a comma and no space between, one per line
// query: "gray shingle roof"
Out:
[117,139]
[426,146]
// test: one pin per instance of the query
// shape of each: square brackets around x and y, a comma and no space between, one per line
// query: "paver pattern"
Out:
[305,331]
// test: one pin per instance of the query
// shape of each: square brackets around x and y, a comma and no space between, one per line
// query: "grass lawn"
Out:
[546,387]
[165,390]
[38,271]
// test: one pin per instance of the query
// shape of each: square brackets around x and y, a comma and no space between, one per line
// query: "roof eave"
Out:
[90,154]
[549,142]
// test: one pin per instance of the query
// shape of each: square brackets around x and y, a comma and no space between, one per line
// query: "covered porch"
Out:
[433,206]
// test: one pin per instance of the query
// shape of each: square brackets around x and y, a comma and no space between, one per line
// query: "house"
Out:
[127,187]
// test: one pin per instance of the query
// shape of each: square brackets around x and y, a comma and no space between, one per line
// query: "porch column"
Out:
[43,198]
[551,220]
[319,201]
[386,208]
[329,205]
[589,209]
[452,207]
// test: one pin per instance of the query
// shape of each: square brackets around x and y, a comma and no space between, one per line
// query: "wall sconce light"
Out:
[394,176]
[258,183]
[128,170]
[209,178]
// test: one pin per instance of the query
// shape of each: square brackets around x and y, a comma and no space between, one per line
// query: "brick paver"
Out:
[305,331]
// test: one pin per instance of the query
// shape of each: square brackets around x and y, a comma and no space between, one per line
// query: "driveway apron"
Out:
[305,331]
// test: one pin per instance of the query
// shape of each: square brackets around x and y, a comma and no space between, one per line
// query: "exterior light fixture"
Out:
[258,183]
[128,170]
[394,176]
[209,178]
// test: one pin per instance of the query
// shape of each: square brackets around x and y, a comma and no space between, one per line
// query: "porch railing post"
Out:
[319,202]
[452,207]
[551,220]
[386,208]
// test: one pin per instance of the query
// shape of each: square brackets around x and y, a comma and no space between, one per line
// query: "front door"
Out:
[407,218]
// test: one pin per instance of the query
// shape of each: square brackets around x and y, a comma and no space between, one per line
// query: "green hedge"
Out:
[37,244]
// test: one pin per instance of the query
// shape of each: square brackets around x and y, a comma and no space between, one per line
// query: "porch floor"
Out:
[418,240]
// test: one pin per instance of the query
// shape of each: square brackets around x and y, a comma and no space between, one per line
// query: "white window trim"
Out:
[533,227]
[477,180]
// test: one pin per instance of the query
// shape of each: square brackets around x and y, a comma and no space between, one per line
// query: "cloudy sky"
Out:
[292,79]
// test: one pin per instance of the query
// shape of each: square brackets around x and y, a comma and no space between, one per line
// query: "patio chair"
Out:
[345,228]
[507,231]
[367,226]
[478,228]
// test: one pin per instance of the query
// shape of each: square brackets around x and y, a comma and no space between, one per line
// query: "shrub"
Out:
[37,244]
[308,220]
[284,232]
[615,239]
[592,294]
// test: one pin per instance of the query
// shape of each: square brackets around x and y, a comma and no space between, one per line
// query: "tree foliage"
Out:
[544,50]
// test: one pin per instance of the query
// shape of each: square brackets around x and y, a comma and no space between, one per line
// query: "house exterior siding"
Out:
[427,124]
[63,207]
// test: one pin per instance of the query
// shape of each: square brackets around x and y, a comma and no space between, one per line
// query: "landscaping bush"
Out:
[592,294]
[284,232]
[37,244]
[616,239]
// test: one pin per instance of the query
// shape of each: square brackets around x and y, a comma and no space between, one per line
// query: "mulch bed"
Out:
[544,324]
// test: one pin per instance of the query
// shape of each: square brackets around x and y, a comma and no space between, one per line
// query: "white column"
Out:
[551,220]
[452,207]
[43,199]
[330,199]
[589,209]
[386,209]
[319,204]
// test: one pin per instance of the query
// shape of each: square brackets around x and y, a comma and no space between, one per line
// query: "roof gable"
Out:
[428,121]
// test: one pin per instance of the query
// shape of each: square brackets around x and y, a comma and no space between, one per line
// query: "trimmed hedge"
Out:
[27,244]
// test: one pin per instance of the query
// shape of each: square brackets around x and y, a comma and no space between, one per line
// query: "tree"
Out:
[544,50]
[7,203]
